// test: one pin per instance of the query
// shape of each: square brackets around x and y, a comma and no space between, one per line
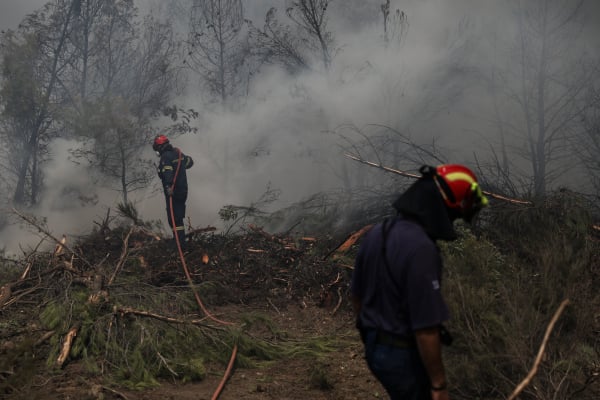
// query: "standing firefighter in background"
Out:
[172,172]
[396,283]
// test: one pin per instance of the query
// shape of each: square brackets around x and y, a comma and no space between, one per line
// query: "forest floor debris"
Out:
[111,317]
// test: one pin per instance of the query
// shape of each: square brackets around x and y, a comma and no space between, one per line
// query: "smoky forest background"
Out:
[302,117]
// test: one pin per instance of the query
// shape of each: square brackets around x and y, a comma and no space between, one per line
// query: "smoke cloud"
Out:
[283,135]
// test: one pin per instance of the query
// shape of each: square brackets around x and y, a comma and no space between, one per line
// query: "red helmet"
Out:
[159,141]
[460,190]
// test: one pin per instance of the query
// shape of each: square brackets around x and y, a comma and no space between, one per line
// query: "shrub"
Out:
[504,288]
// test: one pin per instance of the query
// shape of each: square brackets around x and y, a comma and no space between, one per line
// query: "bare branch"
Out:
[538,358]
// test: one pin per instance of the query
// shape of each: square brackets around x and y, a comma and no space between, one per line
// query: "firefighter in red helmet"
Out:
[172,173]
[396,283]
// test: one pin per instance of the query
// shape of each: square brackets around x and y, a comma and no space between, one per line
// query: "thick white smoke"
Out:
[281,134]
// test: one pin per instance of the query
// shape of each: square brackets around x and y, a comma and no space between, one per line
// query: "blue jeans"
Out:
[399,369]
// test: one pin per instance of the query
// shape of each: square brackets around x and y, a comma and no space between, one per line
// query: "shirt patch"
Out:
[435,284]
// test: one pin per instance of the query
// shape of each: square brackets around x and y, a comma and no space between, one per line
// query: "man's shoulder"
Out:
[411,232]
[169,155]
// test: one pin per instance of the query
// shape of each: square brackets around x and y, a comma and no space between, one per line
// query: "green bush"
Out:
[504,288]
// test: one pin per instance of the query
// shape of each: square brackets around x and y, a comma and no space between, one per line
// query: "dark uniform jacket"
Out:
[167,168]
[399,284]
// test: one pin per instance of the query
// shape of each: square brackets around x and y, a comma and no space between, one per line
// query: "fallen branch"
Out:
[7,290]
[128,310]
[44,337]
[409,175]
[538,359]
[17,296]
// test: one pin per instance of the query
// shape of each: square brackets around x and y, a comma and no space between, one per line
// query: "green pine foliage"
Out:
[137,351]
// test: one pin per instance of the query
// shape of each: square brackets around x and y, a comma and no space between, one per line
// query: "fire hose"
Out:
[193,288]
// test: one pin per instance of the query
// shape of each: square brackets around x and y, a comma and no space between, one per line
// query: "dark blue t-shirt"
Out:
[410,299]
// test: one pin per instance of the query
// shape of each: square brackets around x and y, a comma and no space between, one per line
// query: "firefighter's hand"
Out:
[439,395]
[169,191]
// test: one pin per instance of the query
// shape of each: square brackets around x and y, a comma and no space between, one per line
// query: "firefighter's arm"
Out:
[167,174]
[430,348]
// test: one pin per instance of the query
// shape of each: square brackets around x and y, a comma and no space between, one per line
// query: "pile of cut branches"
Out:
[117,300]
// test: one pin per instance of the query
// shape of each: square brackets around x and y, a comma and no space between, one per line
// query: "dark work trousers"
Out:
[179,213]
[399,369]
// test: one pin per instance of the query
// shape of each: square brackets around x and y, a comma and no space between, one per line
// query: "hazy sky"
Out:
[13,11]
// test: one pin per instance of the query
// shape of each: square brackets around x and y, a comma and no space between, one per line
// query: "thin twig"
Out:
[538,359]
[339,303]
[273,305]
[166,363]
[123,257]
[380,166]
[129,310]
[43,230]
[115,392]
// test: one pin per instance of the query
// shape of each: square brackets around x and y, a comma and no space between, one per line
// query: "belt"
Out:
[389,339]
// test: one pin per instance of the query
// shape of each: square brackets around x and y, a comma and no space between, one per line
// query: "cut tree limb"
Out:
[349,241]
[67,344]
